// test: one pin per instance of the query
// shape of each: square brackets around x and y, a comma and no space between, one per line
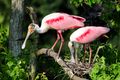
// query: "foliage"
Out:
[3,36]
[15,68]
[106,10]
[107,67]
[10,68]
[105,3]
[88,2]
[4,11]
[41,76]
[110,53]
[101,71]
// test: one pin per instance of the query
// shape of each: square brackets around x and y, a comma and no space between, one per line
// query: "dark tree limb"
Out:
[32,14]
[32,64]
[52,54]
[32,72]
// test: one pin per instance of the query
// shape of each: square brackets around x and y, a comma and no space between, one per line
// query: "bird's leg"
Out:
[90,54]
[62,41]
[76,56]
[72,51]
[84,54]
[76,52]
[58,37]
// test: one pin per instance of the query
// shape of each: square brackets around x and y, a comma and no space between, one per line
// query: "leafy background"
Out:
[97,12]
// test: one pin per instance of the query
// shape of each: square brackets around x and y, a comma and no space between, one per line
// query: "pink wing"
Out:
[65,21]
[81,19]
[88,34]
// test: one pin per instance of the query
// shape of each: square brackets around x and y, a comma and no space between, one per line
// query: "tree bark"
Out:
[15,29]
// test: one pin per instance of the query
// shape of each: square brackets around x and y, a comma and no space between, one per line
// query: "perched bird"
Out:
[85,35]
[56,21]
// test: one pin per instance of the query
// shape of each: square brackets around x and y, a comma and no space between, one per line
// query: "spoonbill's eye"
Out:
[72,44]
[32,26]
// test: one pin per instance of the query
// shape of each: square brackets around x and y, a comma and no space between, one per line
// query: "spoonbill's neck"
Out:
[42,29]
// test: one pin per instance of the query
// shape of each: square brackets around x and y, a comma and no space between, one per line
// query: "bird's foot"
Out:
[58,56]
[72,61]
[83,61]
[51,49]
[48,51]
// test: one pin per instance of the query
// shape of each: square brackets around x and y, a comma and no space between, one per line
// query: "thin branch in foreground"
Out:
[52,54]
[32,14]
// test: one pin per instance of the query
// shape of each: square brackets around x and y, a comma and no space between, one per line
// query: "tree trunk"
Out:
[15,29]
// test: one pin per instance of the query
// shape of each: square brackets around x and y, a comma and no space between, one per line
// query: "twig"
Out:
[32,14]
[97,53]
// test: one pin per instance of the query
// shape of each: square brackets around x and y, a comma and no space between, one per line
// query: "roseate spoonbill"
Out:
[57,21]
[85,35]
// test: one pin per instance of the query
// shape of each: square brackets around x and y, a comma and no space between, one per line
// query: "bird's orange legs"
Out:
[59,35]
[62,41]
[90,54]
[84,54]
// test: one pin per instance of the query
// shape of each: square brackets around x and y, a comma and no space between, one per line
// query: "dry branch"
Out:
[32,71]
[32,14]
[59,60]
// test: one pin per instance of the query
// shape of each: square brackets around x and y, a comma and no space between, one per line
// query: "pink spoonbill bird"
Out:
[85,35]
[57,21]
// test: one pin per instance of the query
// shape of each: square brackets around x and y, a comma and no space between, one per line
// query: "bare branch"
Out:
[32,71]
[52,54]
[32,14]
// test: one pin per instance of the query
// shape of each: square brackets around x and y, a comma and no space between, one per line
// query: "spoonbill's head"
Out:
[71,47]
[31,29]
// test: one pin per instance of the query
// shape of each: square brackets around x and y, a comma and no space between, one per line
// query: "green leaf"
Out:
[1,19]
[89,2]
[41,76]
[118,7]
[10,63]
